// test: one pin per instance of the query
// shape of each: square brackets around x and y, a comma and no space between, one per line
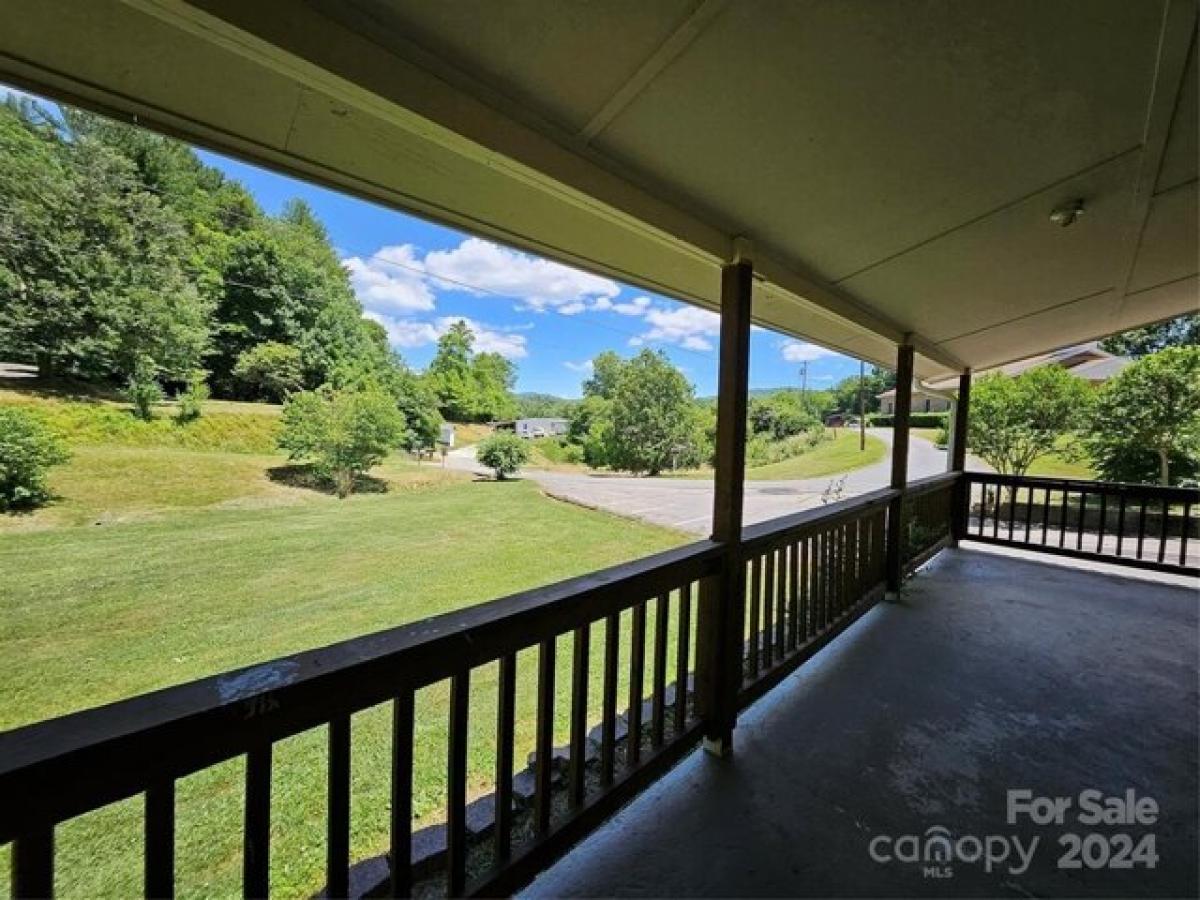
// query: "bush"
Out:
[270,371]
[503,453]
[27,451]
[341,434]
[915,420]
[762,451]
[191,400]
[143,391]
[941,440]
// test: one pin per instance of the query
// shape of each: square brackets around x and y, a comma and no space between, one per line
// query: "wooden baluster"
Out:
[805,579]
[1183,532]
[794,597]
[1162,531]
[1045,516]
[1083,498]
[456,781]
[256,843]
[1012,509]
[996,511]
[160,840]
[608,727]
[658,715]
[982,485]
[337,819]
[1062,519]
[1121,522]
[402,785]
[1141,538]
[1103,516]
[32,866]
[768,648]
[544,739]
[681,658]
[506,710]
[781,592]
[580,656]
[755,612]
[1028,512]
[637,661]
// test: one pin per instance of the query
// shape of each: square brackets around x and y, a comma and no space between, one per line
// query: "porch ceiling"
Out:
[893,165]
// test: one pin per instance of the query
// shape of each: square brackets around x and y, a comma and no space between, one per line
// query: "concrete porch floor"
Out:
[991,673]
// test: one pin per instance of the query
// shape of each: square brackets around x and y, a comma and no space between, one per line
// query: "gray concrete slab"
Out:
[992,673]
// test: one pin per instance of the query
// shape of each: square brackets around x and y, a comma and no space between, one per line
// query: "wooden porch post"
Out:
[721,615]
[958,457]
[904,379]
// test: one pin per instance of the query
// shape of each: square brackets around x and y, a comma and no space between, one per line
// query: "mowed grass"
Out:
[828,458]
[203,564]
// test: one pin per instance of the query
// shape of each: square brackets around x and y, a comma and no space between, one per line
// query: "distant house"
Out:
[540,427]
[1087,361]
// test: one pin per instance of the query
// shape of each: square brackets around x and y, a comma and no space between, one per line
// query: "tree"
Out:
[143,390]
[780,415]
[652,423]
[504,453]
[606,371]
[1182,331]
[877,380]
[270,371]
[342,434]
[471,387]
[1014,421]
[28,449]
[1146,423]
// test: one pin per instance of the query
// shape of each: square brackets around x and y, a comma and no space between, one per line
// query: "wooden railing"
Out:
[926,518]
[809,576]
[55,770]
[1139,525]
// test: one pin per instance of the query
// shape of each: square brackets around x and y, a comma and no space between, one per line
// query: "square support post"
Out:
[900,421]
[958,458]
[721,615]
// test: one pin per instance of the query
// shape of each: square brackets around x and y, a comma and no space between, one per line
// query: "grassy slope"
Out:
[204,564]
[830,458]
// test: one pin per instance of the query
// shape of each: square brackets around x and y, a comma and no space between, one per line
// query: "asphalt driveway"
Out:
[686,503]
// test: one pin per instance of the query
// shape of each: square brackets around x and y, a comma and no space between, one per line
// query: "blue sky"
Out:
[415,278]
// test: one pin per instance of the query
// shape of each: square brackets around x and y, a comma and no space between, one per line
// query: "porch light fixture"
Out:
[1065,214]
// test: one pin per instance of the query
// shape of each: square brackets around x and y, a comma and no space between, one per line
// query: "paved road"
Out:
[686,503]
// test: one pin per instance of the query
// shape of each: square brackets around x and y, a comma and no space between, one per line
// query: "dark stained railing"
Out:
[59,769]
[926,518]
[1145,526]
[810,575]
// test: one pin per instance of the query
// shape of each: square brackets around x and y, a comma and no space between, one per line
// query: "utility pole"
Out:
[862,406]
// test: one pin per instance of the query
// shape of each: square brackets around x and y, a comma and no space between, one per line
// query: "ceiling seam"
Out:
[1028,315]
[992,212]
[666,53]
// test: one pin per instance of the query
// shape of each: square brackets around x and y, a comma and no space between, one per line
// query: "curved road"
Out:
[686,503]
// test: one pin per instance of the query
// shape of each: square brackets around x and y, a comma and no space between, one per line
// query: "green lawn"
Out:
[829,458]
[160,565]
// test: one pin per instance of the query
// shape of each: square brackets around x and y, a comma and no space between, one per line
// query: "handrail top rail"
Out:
[931,483]
[293,693]
[1083,484]
[817,517]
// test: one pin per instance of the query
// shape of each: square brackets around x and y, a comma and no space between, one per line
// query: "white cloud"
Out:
[585,368]
[635,307]
[409,333]
[479,266]
[687,326]
[801,351]
[390,281]
[600,304]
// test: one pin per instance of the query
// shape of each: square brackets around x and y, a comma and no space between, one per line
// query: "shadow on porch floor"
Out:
[992,673]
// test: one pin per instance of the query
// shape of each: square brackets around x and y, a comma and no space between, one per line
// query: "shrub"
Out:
[503,453]
[941,440]
[341,434]
[143,390]
[27,451]
[191,400]
[270,371]
[762,451]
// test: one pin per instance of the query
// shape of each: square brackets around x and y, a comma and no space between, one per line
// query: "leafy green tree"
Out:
[143,390]
[1182,331]
[606,371]
[1016,420]
[270,371]
[652,424]
[780,415]
[342,434]
[876,381]
[504,453]
[1146,422]
[470,387]
[191,399]
[28,449]
[494,378]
